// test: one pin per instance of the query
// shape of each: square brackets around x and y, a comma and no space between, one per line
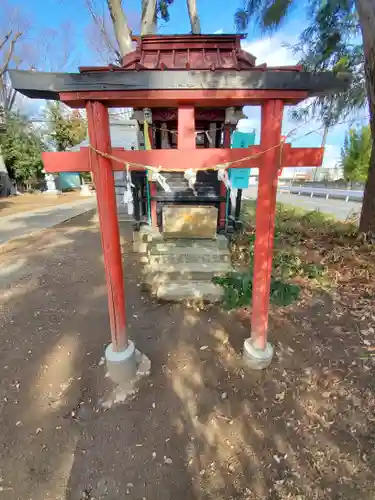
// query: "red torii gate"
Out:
[97,89]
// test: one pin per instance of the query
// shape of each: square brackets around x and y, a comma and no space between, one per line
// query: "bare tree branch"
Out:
[99,22]
[7,94]
[6,38]
[54,49]
[9,54]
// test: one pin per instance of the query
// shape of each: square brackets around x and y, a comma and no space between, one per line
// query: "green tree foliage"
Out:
[21,146]
[339,37]
[65,128]
[162,9]
[331,42]
[356,153]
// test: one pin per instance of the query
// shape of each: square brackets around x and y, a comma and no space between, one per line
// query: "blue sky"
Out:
[71,18]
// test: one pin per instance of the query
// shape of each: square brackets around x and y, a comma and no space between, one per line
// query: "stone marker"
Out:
[181,221]
[51,185]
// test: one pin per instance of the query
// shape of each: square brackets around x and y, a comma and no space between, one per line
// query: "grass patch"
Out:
[238,289]
[305,241]
[295,221]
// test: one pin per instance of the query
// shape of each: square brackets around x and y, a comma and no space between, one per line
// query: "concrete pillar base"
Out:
[121,366]
[124,371]
[257,359]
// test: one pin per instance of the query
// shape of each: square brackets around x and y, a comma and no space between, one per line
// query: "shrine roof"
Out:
[184,52]
[38,85]
[181,63]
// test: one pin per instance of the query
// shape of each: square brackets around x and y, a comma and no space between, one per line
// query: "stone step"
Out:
[214,268]
[179,256]
[168,249]
[159,274]
[178,291]
[161,246]
[156,244]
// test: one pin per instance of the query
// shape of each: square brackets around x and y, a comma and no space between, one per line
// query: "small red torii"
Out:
[184,72]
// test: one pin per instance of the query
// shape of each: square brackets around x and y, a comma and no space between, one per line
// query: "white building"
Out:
[124,134]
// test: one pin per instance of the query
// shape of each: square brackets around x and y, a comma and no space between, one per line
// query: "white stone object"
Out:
[51,185]
[85,190]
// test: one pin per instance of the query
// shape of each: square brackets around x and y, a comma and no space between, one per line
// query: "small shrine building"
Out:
[187,92]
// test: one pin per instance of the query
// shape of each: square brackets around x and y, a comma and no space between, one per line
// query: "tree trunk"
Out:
[194,18]
[366,13]
[120,26]
[149,19]
[324,140]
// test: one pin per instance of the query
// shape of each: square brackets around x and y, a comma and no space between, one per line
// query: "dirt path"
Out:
[201,426]
[27,202]
[26,223]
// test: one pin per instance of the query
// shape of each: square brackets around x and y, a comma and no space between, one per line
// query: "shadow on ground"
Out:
[201,426]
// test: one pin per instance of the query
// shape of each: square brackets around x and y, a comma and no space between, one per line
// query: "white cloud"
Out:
[219,32]
[272,50]
[331,156]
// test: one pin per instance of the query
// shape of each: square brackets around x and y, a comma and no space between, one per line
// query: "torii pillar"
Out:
[120,354]
[258,351]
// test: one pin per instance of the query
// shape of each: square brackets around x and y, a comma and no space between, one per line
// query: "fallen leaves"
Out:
[280,397]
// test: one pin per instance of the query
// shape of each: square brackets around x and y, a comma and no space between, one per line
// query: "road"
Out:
[22,224]
[25,223]
[338,208]
[338,194]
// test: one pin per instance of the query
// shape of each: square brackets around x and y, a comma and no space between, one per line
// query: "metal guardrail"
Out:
[340,194]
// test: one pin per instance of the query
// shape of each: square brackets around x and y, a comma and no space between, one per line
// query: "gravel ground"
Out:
[201,426]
